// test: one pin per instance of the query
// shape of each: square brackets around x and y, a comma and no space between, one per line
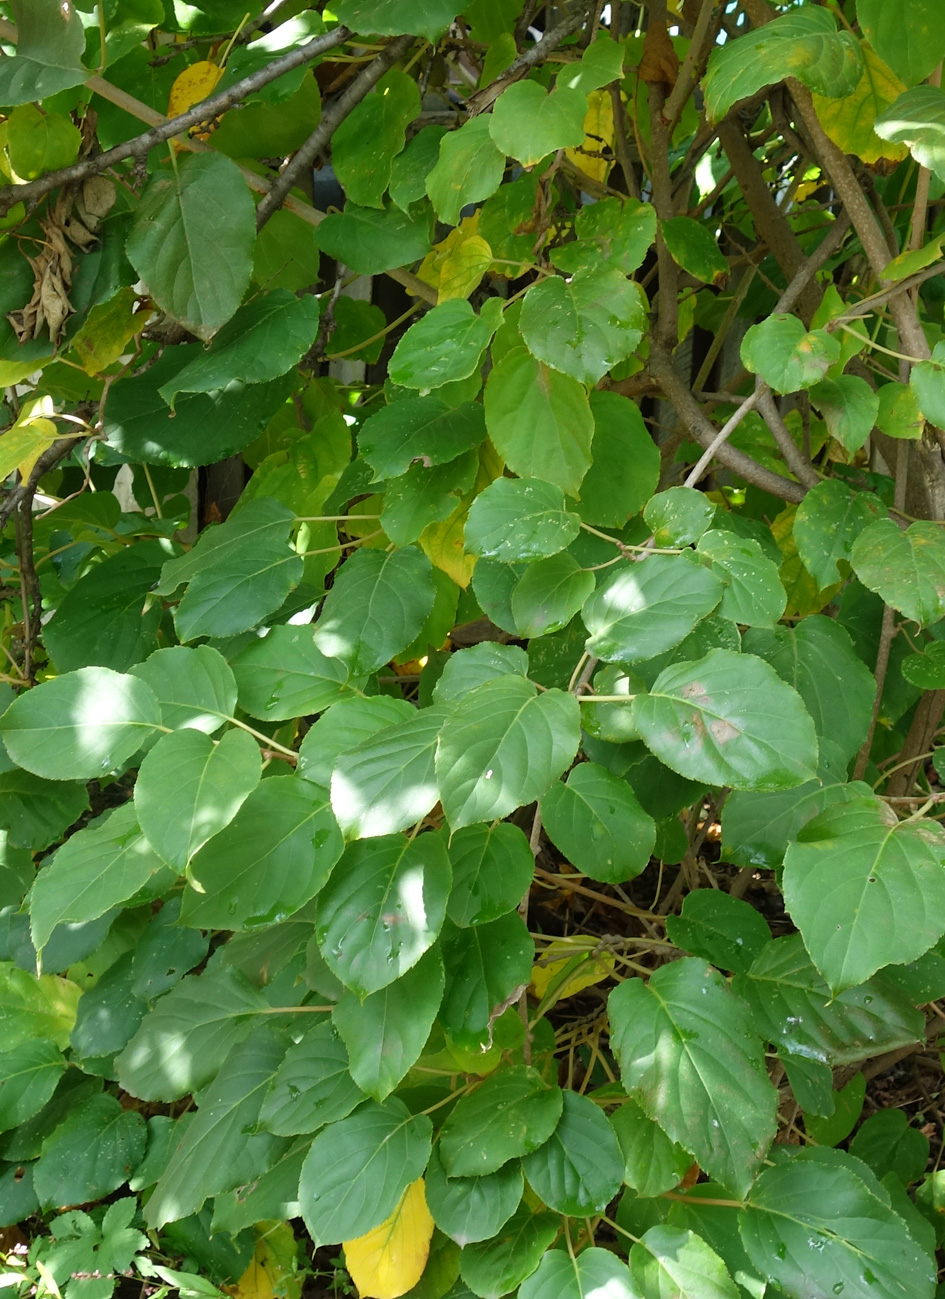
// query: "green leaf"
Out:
[472,1208]
[215,1153]
[601,63]
[926,670]
[888,1144]
[826,525]
[669,1262]
[50,45]
[527,123]
[487,967]
[831,1129]
[469,168]
[344,726]
[549,593]
[188,1034]
[492,868]
[595,820]
[927,382]
[816,657]
[593,1271]
[444,345]
[519,519]
[652,1163]
[424,495]
[466,669]
[693,247]
[724,930]
[35,812]
[728,719]
[803,44]
[237,572]
[429,18]
[357,1170]
[386,1032]
[685,1056]
[793,1007]
[579,1169]
[917,119]
[32,1007]
[29,1074]
[274,856]
[539,420]
[376,607]
[194,687]
[821,1219]
[81,725]
[785,355]
[411,167]
[910,41]
[100,866]
[614,230]
[849,407]
[584,326]
[368,241]
[625,470]
[865,890]
[678,516]
[312,1086]
[419,428]
[503,747]
[382,909]
[204,781]
[387,783]
[899,415]
[366,142]
[191,241]
[284,674]
[102,621]
[906,568]
[642,609]
[495,1267]
[753,592]
[511,1114]
[90,1154]
[261,342]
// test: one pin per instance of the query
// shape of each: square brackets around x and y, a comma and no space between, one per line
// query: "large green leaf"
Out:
[29,1074]
[445,345]
[191,241]
[487,967]
[386,1032]
[849,407]
[102,621]
[492,869]
[357,1170]
[684,1053]
[312,1086]
[726,931]
[262,341]
[820,1220]
[32,1007]
[285,674]
[548,595]
[370,241]
[274,856]
[495,1267]
[827,523]
[652,1163]
[667,1262]
[615,230]
[753,593]
[81,725]
[594,819]
[503,747]
[35,812]
[472,1208]
[96,869]
[423,496]
[419,428]
[429,18]
[586,325]
[803,44]
[728,719]
[467,668]
[626,468]
[469,168]
[519,519]
[219,1149]
[343,727]
[909,39]
[694,248]
[376,607]
[540,420]
[594,1271]
[793,1007]
[387,783]
[906,568]
[366,142]
[188,1034]
[527,123]
[511,1114]
[90,1154]
[917,119]
[50,45]
[785,355]
[203,780]
[195,687]
[383,908]
[865,889]
[642,609]
[579,1169]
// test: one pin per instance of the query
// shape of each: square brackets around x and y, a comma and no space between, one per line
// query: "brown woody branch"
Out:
[486,97]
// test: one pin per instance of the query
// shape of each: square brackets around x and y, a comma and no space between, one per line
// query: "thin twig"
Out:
[722,437]
[485,98]
[793,457]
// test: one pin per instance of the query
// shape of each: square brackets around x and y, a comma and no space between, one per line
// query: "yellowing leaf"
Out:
[849,120]
[389,1260]
[465,266]
[107,330]
[598,135]
[443,545]
[193,85]
[803,594]
[25,441]
[584,973]
[272,1272]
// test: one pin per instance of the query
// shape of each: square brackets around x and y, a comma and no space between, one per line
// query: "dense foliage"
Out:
[498,837]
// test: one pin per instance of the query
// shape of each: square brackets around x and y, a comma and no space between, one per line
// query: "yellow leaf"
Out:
[272,1272]
[598,135]
[803,594]
[448,251]
[107,330]
[464,267]
[848,121]
[554,961]
[443,545]
[24,442]
[389,1260]
[193,85]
